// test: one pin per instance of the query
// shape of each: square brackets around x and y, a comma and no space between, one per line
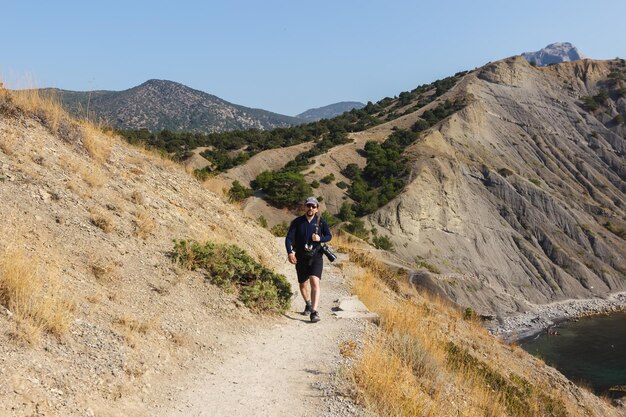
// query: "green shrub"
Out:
[357,228]
[283,189]
[346,212]
[315,184]
[330,219]
[420,263]
[505,172]
[601,97]
[202,174]
[351,171]
[382,242]
[342,185]
[238,192]
[262,221]
[328,179]
[280,230]
[619,119]
[589,103]
[230,267]
[469,314]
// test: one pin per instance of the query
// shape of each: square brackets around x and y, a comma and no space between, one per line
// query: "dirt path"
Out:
[286,368]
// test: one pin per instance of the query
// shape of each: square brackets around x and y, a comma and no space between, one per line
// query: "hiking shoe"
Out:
[307,310]
[315,317]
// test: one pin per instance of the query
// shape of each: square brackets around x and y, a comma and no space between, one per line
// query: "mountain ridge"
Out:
[329,111]
[161,104]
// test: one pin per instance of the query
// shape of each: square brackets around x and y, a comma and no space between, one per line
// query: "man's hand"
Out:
[292,258]
[315,237]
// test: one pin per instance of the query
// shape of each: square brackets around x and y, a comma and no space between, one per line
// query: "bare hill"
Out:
[519,198]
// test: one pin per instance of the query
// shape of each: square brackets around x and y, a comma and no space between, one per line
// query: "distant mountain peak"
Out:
[162,104]
[553,54]
[330,111]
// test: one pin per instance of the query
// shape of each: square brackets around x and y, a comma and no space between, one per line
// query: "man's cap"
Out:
[312,200]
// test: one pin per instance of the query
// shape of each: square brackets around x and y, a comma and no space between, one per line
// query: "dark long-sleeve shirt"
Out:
[300,232]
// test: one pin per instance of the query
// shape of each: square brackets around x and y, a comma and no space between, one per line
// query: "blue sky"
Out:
[287,56]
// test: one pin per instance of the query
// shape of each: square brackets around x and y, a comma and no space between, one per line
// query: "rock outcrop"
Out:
[554,53]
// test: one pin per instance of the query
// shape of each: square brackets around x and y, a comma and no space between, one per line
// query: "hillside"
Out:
[514,201]
[110,325]
[518,199]
[115,325]
[160,104]
[329,111]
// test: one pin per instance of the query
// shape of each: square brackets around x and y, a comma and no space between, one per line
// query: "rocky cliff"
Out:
[553,54]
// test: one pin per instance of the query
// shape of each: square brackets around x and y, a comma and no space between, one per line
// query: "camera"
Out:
[329,254]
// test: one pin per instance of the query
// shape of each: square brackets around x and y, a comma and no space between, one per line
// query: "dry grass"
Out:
[34,298]
[91,174]
[132,327]
[137,198]
[96,143]
[48,109]
[103,270]
[45,107]
[144,224]
[101,220]
[160,158]
[425,360]
[8,143]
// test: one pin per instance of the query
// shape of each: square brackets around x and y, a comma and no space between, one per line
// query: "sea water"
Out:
[590,351]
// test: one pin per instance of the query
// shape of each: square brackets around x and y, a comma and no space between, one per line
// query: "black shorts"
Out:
[305,267]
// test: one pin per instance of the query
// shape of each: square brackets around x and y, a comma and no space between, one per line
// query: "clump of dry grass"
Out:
[34,298]
[91,174]
[46,107]
[144,224]
[131,327]
[8,143]
[95,142]
[102,269]
[137,198]
[101,220]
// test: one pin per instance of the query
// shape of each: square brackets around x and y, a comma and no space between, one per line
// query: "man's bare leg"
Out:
[305,291]
[315,291]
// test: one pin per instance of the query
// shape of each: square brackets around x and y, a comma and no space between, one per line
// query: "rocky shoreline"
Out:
[542,317]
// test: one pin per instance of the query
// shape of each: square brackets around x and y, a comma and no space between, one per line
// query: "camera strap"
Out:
[317,222]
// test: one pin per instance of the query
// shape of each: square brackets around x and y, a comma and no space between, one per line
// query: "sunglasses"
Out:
[311,205]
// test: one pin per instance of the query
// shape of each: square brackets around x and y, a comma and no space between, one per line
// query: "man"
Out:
[303,243]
